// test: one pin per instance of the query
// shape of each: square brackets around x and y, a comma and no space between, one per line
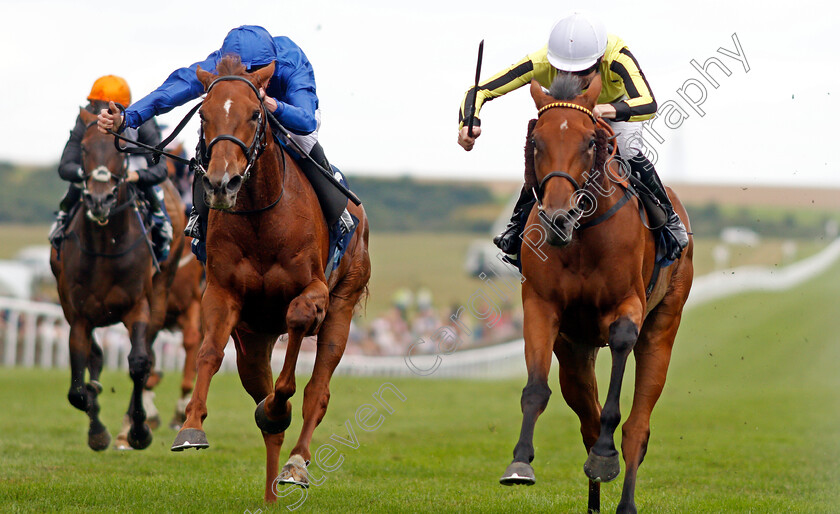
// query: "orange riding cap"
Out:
[111,87]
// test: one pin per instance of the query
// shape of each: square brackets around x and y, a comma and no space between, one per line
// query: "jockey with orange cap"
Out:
[146,175]
[580,45]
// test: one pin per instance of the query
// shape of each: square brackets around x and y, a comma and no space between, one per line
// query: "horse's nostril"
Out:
[208,186]
[234,184]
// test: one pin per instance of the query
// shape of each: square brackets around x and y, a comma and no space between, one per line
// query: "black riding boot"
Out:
[161,226]
[197,224]
[68,201]
[509,240]
[643,168]
[333,202]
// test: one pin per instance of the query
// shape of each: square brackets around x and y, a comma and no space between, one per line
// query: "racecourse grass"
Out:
[748,422]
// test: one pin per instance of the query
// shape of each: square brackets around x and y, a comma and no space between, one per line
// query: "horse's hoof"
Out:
[294,473]
[153,422]
[601,469]
[99,440]
[270,426]
[518,473]
[177,422]
[142,439]
[190,438]
[121,444]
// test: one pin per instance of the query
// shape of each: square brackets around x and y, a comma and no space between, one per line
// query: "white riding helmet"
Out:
[576,42]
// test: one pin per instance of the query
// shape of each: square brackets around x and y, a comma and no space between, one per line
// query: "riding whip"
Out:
[475,90]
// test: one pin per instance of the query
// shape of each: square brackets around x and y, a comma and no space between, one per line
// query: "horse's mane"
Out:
[565,87]
[230,64]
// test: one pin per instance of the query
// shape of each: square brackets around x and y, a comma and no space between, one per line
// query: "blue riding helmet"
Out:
[252,43]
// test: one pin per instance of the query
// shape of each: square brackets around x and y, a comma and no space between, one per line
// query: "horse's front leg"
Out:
[85,354]
[541,326]
[140,363]
[220,313]
[602,465]
[274,414]
[190,323]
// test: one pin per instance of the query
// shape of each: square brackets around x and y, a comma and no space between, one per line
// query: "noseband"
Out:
[251,152]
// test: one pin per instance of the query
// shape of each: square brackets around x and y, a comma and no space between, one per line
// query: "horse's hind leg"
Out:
[652,353]
[602,465]
[253,360]
[304,317]
[332,340]
[541,325]
[580,390]
[86,354]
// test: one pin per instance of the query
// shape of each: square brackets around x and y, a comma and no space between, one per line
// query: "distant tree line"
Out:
[708,220]
[31,195]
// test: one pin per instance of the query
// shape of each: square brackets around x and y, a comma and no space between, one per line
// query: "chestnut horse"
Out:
[266,254]
[105,275]
[586,289]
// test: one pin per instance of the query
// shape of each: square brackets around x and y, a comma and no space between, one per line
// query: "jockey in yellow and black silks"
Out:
[579,44]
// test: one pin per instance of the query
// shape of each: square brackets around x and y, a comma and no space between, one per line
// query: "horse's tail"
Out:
[361,303]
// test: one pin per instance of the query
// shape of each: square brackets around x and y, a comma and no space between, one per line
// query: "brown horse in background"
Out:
[586,289]
[105,275]
[266,254]
[183,308]
[183,312]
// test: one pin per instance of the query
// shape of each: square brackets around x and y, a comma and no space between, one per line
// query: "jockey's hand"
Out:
[269,102]
[606,111]
[109,119]
[132,176]
[464,138]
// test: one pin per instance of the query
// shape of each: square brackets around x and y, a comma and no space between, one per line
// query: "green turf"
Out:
[748,422]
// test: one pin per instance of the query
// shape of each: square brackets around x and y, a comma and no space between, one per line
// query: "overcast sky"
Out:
[390,78]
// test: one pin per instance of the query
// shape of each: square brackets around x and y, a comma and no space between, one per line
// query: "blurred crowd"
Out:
[413,315]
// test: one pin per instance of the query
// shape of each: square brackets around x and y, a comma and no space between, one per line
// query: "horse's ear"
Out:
[262,77]
[87,116]
[539,96]
[205,77]
[590,98]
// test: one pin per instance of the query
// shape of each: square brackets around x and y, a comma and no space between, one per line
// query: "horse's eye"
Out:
[255,116]
[591,143]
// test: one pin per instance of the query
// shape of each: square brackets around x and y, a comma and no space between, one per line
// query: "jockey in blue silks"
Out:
[290,96]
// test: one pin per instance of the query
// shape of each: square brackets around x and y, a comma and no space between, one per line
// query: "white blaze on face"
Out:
[564,125]
[228,103]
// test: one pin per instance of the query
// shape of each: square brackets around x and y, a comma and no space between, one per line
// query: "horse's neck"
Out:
[267,180]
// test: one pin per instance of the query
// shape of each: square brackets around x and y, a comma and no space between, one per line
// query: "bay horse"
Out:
[105,275]
[267,249]
[587,289]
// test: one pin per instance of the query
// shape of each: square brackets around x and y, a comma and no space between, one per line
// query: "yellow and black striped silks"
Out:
[623,83]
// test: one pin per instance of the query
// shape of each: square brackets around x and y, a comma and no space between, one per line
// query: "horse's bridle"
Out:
[102,173]
[599,122]
[252,151]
